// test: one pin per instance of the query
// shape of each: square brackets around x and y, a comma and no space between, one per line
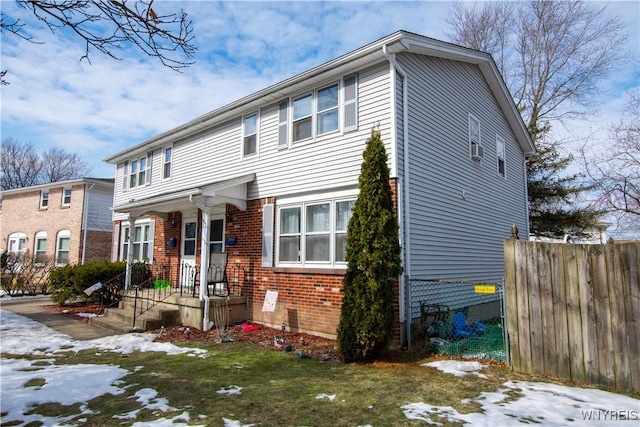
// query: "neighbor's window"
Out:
[16,243]
[474,138]
[327,109]
[500,150]
[302,116]
[250,131]
[62,247]
[40,247]
[66,197]
[314,233]
[44,199]
[139,171]
[166,169]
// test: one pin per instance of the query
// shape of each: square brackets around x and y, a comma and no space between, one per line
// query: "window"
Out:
[327,108]
[474,138]
[283,124]
[66,197]
[500,150]
[44,199]
[139,241]
[16,243]
[40,247]
[189,240]
[62,247]
[314,233]
[140,171]
[302,110]
[216,236]
[250,132]
[166,169]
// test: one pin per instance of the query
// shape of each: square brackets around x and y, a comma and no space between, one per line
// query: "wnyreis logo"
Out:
[607,415]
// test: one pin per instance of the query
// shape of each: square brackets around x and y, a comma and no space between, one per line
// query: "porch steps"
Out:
[120,319]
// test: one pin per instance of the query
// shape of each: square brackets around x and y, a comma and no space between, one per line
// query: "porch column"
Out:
[204,249]
[127,276]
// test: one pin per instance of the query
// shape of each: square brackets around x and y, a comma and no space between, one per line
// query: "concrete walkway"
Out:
[33,308]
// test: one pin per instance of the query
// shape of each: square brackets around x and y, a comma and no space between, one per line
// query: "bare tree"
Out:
[552,55]
[615,168]
[107,25]
[23,166]
[20,163]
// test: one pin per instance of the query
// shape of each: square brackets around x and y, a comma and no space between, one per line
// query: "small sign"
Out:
[91,289]
[270,301]
[231,240]
[485,289]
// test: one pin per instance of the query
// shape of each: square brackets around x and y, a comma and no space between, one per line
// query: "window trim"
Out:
[127,242]
[63,234]
[254,134]
[135,172]
[166,163]
[44,200]
[473,140]
[302,118]
[64,196]
[39,236]
[21,239]
[301,204]
[319,112]
[501,154]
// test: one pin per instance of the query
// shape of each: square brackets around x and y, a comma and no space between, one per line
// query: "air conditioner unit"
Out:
[477,152]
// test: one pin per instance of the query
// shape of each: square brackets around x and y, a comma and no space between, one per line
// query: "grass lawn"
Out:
[277,388]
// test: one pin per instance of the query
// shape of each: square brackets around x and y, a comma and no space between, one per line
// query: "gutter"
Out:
[404,210]
[204,261]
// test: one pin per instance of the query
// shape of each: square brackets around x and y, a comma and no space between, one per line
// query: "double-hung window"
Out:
[44,199]
[166,165]
[474,138]
[66,197]
[250,132]
[500,150]
[140,171]
[314,233]
[63,246]
[327,109]
[302,118]
[138,240]
[17,243]
[40,247]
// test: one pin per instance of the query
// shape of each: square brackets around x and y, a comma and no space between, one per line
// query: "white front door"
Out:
[188,253]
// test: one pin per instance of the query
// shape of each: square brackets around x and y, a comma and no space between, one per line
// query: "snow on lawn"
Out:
[521,402]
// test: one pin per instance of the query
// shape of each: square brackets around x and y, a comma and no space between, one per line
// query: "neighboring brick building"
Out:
[68,220]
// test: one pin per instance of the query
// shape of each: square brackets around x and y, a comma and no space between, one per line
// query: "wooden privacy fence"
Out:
[573,311]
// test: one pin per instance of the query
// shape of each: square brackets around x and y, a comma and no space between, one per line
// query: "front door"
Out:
[188,253]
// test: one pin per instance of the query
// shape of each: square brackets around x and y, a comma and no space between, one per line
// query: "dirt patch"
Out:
[79,311]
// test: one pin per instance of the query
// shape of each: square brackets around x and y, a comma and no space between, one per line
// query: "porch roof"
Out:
[232,191]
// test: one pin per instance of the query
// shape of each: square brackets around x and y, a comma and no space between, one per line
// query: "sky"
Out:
[100,108]
[516,402]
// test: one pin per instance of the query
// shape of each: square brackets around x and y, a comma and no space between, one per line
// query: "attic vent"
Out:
[477,152]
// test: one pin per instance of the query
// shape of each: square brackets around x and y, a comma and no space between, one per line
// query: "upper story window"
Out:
[313,233]
[63,245]
[302,117]
[250,134]
[477,151]
[327,109]
[166,165]
[44,199]
[40,246]
[66,197]
[501,156]
[140,171]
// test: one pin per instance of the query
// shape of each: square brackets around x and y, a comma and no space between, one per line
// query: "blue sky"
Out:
[101,108]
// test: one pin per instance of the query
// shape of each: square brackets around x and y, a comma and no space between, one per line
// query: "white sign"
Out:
[270,301]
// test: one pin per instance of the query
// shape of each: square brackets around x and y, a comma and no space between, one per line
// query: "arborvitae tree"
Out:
[373,262]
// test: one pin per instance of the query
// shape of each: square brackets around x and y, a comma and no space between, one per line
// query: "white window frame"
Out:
[17,243]
[129,241]
[212,241]
[302,205]
[44,199]
[333,108]
[303,118]
[248,134]
[501,157]
[66,196]
[167,162]
[63,235]
[473,137]
[39,237]
[139,176]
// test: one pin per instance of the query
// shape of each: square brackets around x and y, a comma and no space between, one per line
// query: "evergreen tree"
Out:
[373,262]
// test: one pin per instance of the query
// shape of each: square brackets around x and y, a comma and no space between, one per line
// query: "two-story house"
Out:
[68,221]
[271,178]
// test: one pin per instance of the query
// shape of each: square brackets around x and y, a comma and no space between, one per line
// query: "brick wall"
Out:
[98,246]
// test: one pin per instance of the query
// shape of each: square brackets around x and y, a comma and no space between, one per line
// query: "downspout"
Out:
[403,191]
[84,221]
[204,261]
